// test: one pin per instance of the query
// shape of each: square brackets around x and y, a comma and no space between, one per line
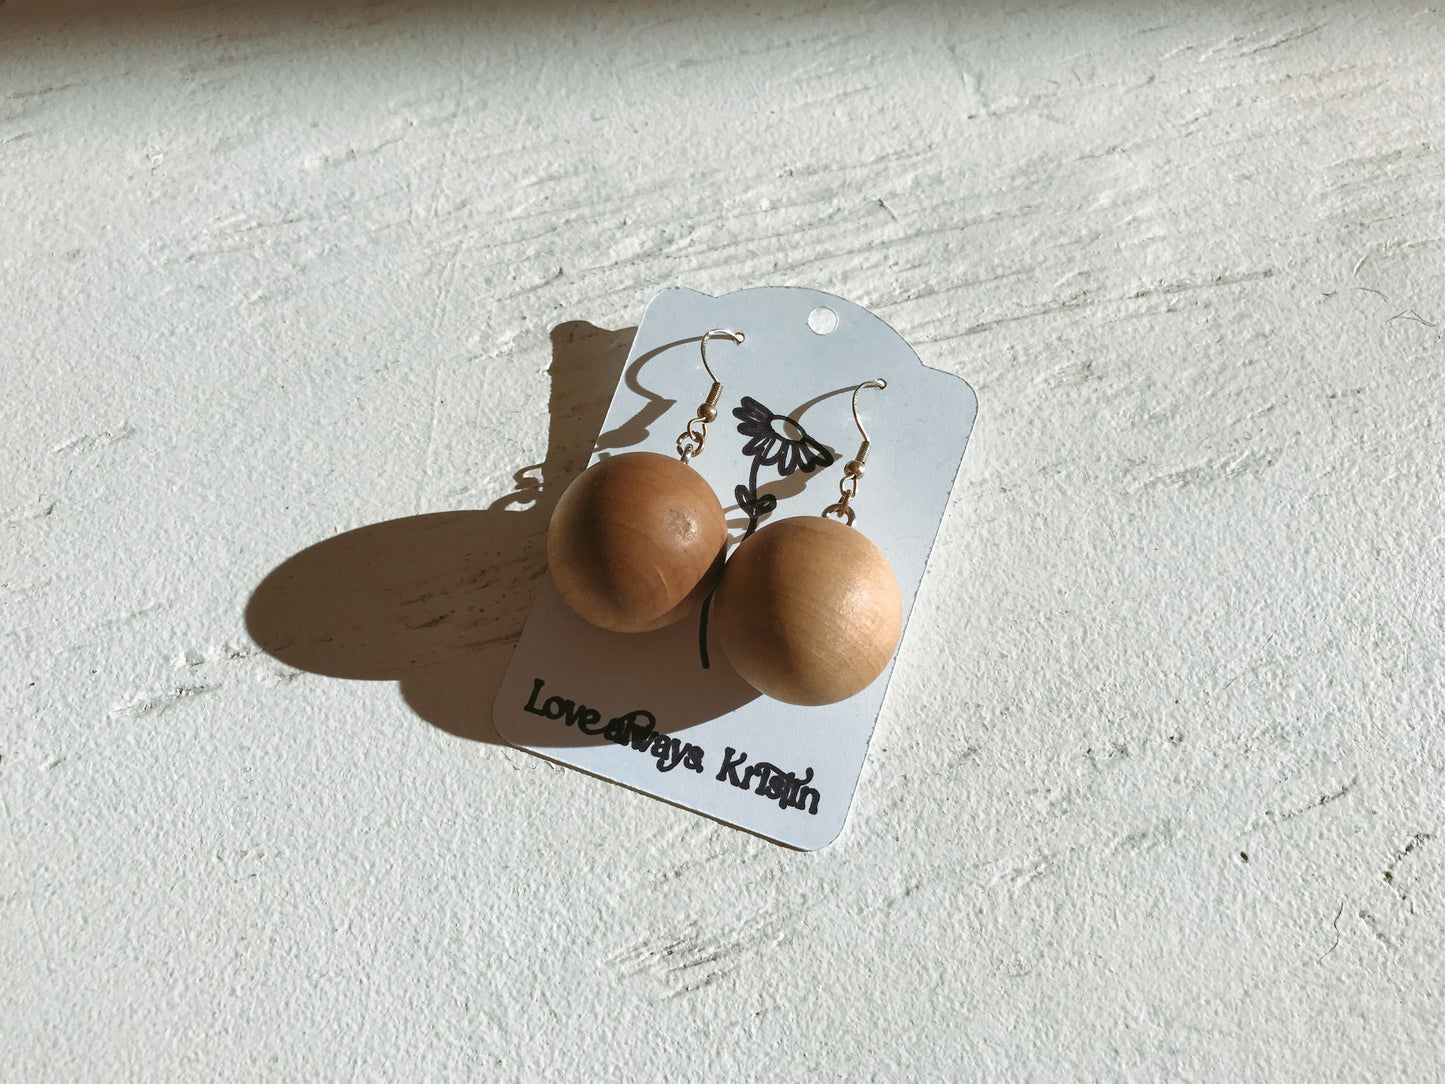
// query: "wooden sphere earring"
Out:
[809,611]
[638,539]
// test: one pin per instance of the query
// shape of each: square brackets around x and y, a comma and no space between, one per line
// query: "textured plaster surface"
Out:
[1157,789]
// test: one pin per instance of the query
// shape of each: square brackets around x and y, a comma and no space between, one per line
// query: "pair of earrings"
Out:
[808,610]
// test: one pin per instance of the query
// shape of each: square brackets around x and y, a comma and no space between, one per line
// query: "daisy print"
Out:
[774,440]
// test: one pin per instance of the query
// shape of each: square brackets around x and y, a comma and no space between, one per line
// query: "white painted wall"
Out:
[272,276]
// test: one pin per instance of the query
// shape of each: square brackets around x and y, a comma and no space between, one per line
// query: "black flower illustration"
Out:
[775,440]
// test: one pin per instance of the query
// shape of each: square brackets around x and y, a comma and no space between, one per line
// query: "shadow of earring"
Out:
[437,602]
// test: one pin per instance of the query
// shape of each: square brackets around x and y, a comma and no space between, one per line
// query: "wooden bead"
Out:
[808,611]
[635,542]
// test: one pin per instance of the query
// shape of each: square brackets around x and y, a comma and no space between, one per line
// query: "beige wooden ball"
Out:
[635,542]
[808,611]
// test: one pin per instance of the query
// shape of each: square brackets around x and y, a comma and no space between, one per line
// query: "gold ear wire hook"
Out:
[862,456]
[735,336]
[853,469]
[690,441]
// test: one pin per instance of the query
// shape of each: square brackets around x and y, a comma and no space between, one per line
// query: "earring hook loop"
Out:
[880,384]
[853,469]
[691,439]
[720,333]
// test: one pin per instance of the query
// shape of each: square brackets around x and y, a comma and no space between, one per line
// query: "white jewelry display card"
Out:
[663,712]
